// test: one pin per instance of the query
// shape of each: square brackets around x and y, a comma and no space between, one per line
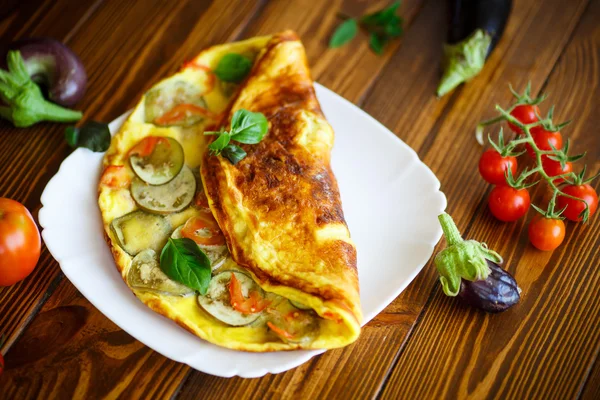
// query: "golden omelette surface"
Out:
[280,207]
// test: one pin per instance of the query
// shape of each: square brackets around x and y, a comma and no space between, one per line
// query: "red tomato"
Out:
[20,242]
[546,233]
[575,207]
[543,139]
[251,305]
[203,229]
[524,113]
[146,146]
[493,167]
[553,168]
[509,204]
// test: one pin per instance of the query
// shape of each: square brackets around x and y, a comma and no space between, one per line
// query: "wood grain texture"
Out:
[19,303]
[418,346]
[543,347]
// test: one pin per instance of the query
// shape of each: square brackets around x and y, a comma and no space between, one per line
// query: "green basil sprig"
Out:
[233,68]
[246,127]
[92,135]
[382,26]
[184,262]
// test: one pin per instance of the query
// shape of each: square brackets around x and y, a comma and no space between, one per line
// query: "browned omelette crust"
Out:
[287,190]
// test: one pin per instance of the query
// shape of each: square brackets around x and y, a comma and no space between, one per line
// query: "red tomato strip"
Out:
[206,222]
[147,145]
[181,111]
[279,331]
[115,176]
[251,305]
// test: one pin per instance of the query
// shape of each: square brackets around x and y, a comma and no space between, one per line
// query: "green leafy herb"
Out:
[92,135]
[344,33]
[382,26]
[25,104]
[234,153]
[184,262]
[233,68]
[246,127]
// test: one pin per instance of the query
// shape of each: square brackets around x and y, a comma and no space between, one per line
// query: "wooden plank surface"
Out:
[419,345]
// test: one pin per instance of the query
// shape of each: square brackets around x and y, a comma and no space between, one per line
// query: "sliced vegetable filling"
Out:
[171,197]
[157,160]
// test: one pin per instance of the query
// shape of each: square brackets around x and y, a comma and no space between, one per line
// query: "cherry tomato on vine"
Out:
[508,204]
[526,114]
[20,242]
[553,168]
[575,207]
[493,167]
[546,233]
[543,139]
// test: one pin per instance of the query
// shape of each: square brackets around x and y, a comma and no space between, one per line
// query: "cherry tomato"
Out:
[508,204]
[546,233]
[553,168]
[493,167]
[203,229]
[251,305]
[524,113]
[575,207]
[543,139]
[20,242]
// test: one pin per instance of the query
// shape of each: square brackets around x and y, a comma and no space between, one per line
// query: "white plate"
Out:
[391,201]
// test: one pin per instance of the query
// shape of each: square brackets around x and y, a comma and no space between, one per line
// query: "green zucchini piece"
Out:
[139,231]
[217,302]
[299,305]
[160,100]
[145,274]
[162,165]
[169,198]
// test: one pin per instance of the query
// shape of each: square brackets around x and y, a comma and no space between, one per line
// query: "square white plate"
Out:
[391,201]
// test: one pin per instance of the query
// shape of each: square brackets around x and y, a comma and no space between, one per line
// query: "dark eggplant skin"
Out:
[54,66]
[498,292]
[466,16]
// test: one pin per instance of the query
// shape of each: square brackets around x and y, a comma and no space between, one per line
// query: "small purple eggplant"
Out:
[53,65]
[470,270]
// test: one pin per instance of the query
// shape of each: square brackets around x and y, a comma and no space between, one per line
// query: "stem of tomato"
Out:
[528,139]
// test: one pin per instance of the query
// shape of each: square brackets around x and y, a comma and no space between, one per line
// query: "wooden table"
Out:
[424,345]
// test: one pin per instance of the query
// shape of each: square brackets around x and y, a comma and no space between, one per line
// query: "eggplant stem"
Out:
[451,232]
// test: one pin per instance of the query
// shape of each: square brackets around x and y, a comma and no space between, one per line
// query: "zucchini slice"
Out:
[217,301]
[216,254]
[299,305]
[139,230]
[163,99]
[169,198]
[157,160]
[145,274]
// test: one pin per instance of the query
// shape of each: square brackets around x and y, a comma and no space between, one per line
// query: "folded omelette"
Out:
[250,254]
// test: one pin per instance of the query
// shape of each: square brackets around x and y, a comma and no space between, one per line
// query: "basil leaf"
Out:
[92,135]
[184,262]
[234,153]
[382,17]
[219,143]
[377,43]
[344,33]
[248,127]
[233,68]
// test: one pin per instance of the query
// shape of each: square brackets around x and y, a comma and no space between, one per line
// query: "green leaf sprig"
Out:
[382,26]
[247,127]
[184,262]
[233,67]
[92,135]
[25,104]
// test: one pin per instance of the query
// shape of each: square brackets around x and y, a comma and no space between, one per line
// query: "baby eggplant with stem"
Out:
[470,270]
